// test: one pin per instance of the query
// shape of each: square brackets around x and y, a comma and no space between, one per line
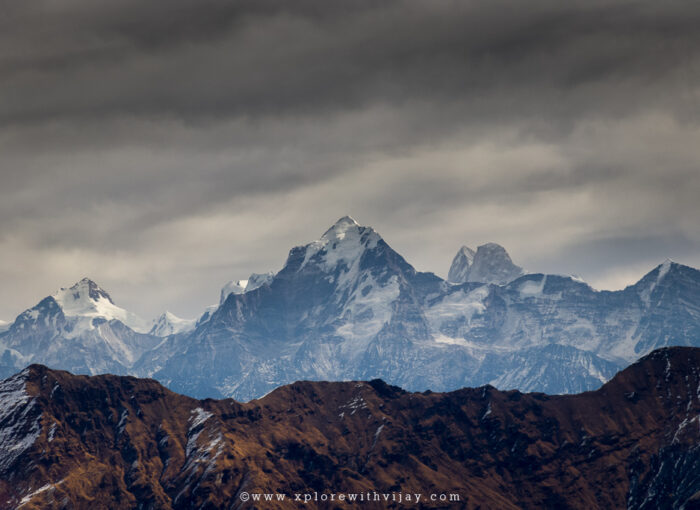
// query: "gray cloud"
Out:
[164,148]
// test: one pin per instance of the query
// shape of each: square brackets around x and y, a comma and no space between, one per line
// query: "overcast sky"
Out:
[164,148]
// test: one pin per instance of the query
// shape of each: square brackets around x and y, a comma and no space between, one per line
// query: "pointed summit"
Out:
[489,264]
[343,243]
[659,278]
[88,289]
[340,228]
[170,324]
[459,270]
[89,300]
[84,295]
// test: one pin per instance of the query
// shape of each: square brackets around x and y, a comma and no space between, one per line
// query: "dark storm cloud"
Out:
[213,59]
[179,144]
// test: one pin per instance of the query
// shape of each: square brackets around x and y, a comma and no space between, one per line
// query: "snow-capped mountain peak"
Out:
[170,324]
[87,300]
[81,296]
[4,326]
[344,242]
[340,227]
[80,329]
[655,279]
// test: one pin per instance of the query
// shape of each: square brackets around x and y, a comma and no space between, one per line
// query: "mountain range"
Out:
[349,307]
[119,442]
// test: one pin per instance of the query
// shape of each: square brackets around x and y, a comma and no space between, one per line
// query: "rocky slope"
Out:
[119,442]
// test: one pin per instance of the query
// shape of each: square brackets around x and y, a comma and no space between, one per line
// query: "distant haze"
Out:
[165,148]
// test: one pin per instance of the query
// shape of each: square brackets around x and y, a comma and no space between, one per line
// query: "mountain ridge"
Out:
[126,442]
[349,307]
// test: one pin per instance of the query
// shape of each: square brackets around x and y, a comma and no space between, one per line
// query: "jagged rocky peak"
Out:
[254,281]
[232,287]
[257,280]
[459,270]
[489,264]
[492,264]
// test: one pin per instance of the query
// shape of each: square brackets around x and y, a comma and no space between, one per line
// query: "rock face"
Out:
[489,264]
[348,307]
[71,441]
[461,264]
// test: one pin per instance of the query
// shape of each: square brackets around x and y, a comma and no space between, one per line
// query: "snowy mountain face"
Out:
[4,326]
[348,307]
[86,301]
[344,301]
[170,324]
[489,264]
[78,329]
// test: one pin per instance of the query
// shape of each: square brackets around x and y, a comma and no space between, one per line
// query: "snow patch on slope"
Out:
[457,306]
[198,417]
[662,271]
[533,289]
[369,308]
[17,414]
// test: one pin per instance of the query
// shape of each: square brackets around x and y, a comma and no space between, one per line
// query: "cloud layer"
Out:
[163,148]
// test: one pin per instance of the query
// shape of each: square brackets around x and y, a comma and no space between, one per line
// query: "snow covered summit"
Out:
[88,300]
[342,244]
